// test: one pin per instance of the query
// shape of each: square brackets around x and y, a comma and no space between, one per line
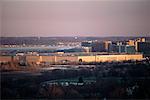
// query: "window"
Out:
[80,60]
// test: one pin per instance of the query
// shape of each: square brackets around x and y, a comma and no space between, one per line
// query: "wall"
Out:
[86,58]
[109,58]
[60,59]
[134,57]
[50,59]
[104,58]
[5,58]
[32,58]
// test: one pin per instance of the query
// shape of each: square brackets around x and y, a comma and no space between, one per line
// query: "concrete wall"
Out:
[86,58]
[109,58]
[60,59]
[50,59]
[134,57]
[104,58]
[32,58]
[5,58]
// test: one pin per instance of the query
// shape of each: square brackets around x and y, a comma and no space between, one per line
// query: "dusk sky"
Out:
[75,18]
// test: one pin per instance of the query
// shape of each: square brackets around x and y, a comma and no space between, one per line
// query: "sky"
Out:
[93,18]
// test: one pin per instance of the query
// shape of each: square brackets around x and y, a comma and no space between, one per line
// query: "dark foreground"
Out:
[115,81]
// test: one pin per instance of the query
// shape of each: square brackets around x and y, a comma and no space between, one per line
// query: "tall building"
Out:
[118,48]
[135,42]
[144,47]
[107,45]
[123,49]
[98,47]
[138,40]
[130,49]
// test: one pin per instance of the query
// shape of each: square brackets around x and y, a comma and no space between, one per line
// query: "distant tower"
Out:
[138,40]
[98,47]
[107,45]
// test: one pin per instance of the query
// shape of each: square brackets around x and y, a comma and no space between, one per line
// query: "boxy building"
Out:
[98,47]
[75,59]
[109,58]
[144,47]
[6,59]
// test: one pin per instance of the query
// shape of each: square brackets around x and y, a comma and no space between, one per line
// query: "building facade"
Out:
[98,47]
[76,59]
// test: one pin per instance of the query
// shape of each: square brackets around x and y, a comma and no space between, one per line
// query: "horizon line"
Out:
[71,36]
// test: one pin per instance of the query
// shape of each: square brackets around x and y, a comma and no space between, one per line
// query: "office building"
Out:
[130,49]
[86,44]
[144,47]
[98,47]
[138,40]
[123,49]
[107,45]
[135,42]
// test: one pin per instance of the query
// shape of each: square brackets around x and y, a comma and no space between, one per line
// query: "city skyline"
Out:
[98,18]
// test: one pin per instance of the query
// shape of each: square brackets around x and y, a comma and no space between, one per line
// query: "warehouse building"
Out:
[66,59]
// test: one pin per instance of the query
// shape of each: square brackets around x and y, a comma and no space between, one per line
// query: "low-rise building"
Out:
[63,59]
